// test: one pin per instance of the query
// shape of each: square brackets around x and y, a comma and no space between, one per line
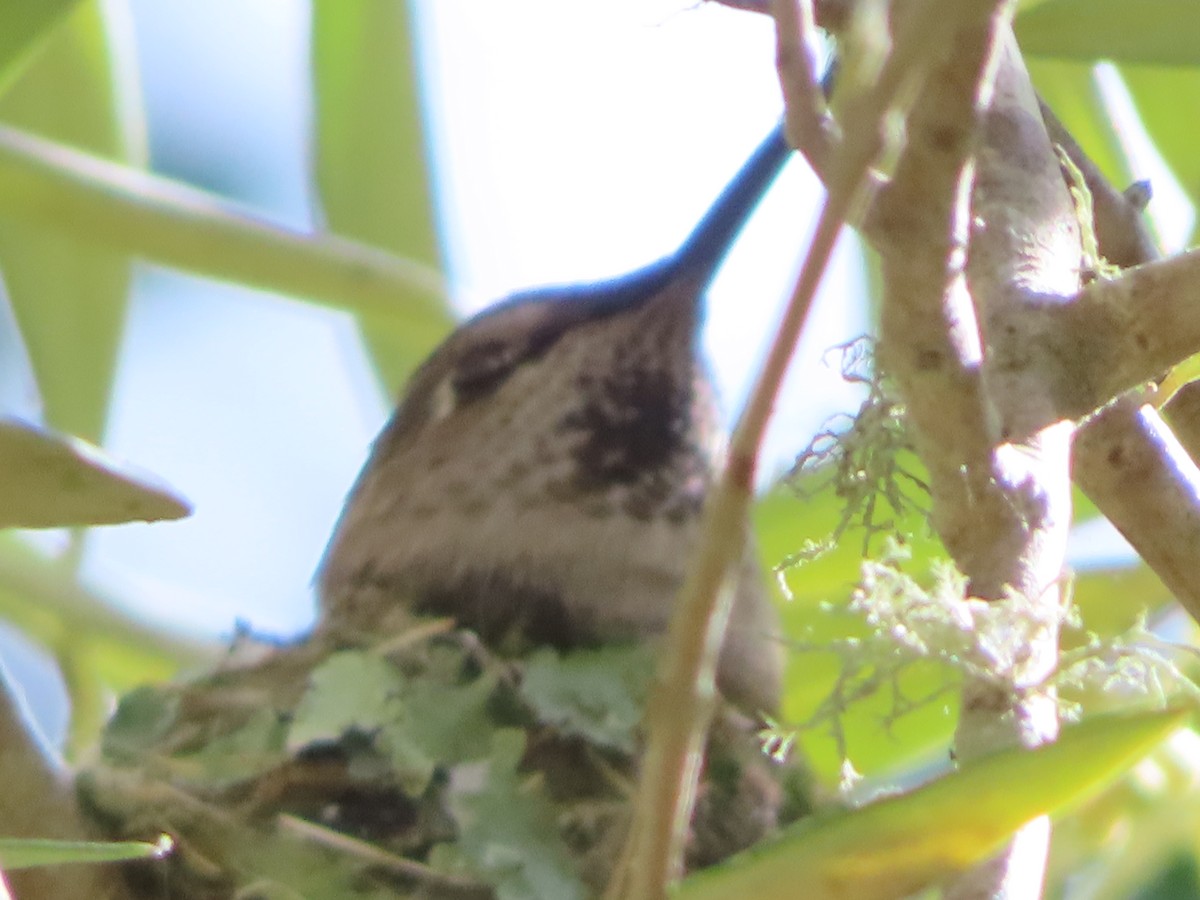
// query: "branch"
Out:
[810,127]
[1121,333]
[953,269]
[38,801]
[1120,229]
[1126,458]
[1143,480]
[141,214]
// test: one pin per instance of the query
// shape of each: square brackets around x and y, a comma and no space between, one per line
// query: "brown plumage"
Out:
[544,474]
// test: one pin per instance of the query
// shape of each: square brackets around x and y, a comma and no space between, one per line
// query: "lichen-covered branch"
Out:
[976,226]
[1126,458]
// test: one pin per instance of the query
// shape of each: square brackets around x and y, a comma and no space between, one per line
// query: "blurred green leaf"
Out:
[1158,32]
[508,835]
[142,718]
[81,196]
[70,297]
[23,28]
[449,722]
[899,845]
[1179,880]
[350,691]
[43,598]
[24,853]
[371,166]
[1168,102]
[52,481]
[596,694]
[815,617]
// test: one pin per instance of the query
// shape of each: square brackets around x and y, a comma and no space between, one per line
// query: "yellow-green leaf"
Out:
[48,605]
[53,481]
[26,853]
[23,28]
[894,847]
[68,295]
[371,166]
[90,199]
[1158,32]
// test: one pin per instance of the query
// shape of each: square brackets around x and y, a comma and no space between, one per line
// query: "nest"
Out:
[421,766]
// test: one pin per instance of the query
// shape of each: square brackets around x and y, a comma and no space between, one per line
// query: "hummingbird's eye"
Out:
[482,368]
[475,375]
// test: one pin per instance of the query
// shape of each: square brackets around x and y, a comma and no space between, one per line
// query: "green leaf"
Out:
[143,718]
[52,481]
[371,166]
[595,694]
[44,600]
[244,753]
[900,845]
[508,835]
[25,853]
[358,695]
[23,28]
[349,692]
[92,200]
[68,295]
[1158,32]
[450,722]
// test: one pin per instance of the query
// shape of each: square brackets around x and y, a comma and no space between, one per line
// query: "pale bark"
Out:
[38,801]
[976,227]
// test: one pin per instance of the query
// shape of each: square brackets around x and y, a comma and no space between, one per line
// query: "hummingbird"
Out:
[543,477]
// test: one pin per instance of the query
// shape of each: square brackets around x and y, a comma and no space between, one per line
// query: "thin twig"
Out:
[810,127]
[371,856]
